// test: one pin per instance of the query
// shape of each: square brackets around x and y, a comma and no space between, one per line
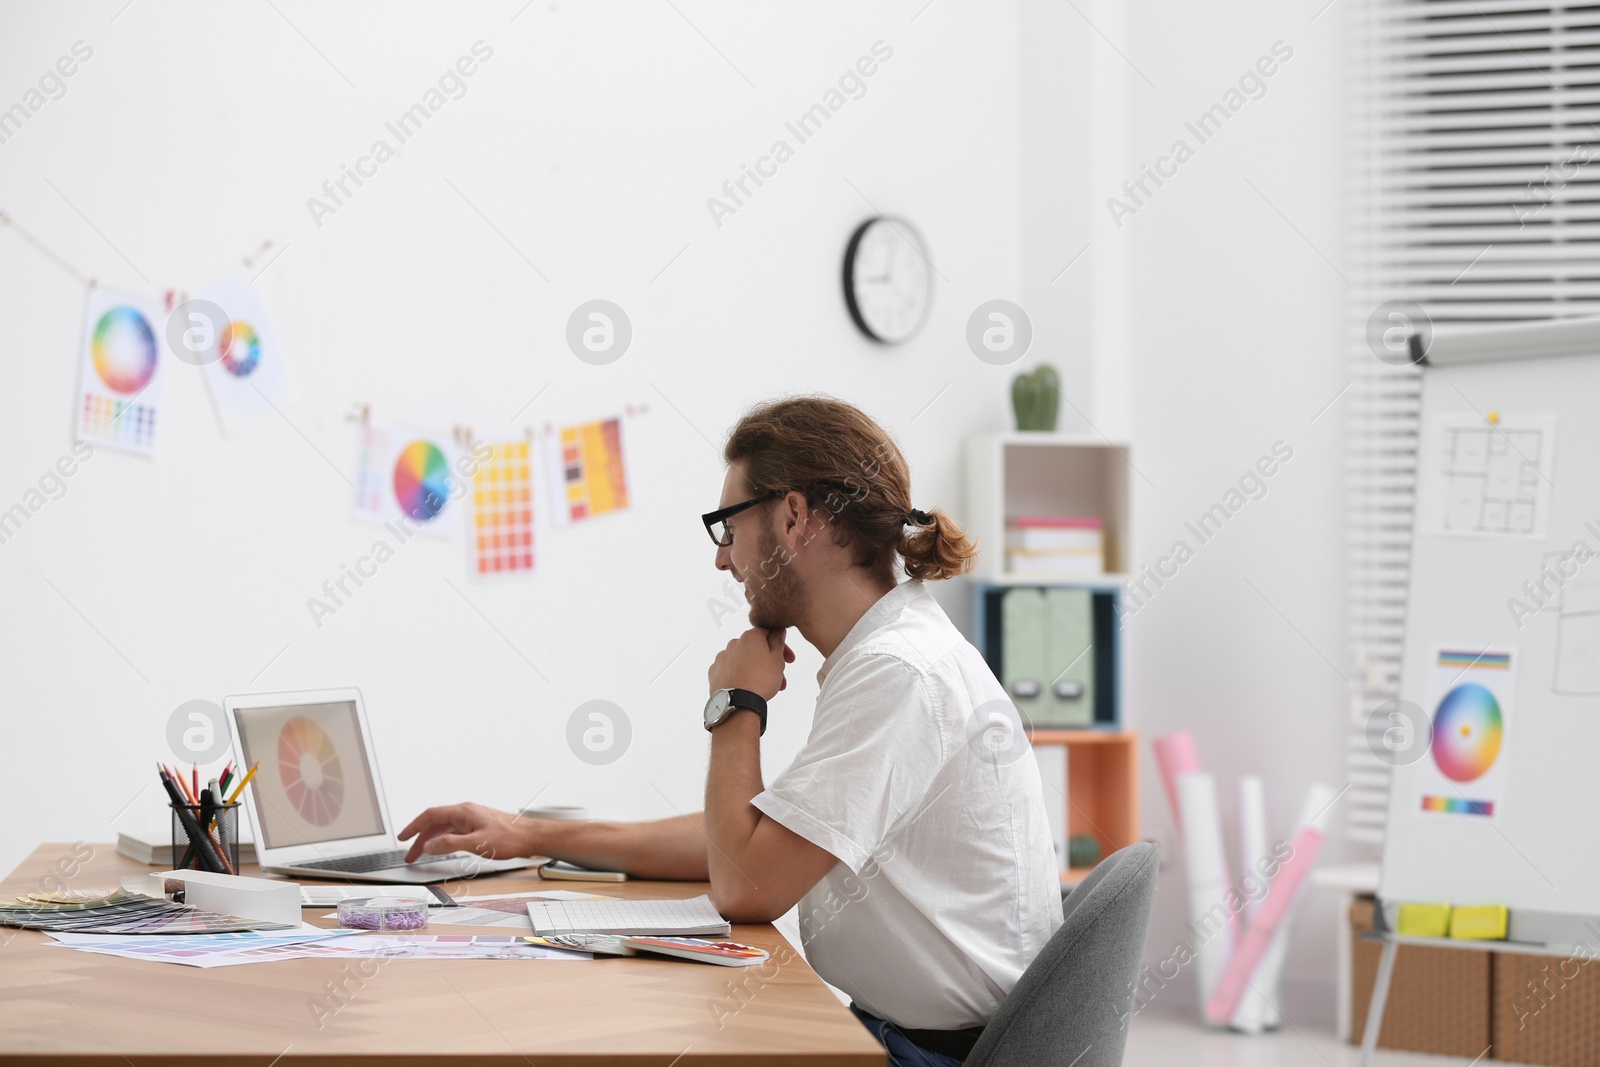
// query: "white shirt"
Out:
[946,886]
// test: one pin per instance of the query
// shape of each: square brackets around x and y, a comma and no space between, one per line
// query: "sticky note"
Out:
[1483,922]
[1423,920]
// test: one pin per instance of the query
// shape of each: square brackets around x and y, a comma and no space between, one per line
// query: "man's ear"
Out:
[796,514]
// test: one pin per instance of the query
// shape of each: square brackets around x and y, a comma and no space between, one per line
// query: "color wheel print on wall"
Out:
[249,380]
[407,477]
[312,777]
[588,469]
[120,377]
[1470,693]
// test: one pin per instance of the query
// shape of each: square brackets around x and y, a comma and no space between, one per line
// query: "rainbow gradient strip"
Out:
[1458,805]
[1494,661]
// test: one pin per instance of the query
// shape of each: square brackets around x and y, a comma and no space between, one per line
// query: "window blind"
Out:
[1475,189]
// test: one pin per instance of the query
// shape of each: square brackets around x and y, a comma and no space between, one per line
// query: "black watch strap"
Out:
[744,698]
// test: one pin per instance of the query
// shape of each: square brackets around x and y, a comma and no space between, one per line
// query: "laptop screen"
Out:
[314,784]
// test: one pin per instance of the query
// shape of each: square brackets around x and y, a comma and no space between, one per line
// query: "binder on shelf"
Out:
[1069,658]
[1023,627]
[1055,648]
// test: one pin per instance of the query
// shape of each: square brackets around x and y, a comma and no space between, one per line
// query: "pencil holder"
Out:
[221,842]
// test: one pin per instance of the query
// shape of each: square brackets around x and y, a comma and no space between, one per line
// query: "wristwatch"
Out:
[724,702]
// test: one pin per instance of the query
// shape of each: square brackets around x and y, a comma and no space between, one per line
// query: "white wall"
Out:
[1237,321]
[592,139]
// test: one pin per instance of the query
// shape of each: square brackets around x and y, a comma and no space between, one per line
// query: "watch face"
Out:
[716,707]
[888,280]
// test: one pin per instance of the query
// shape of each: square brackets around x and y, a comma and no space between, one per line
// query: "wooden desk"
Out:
[63,1007]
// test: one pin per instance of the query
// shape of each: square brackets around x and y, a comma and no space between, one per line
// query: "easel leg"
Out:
[1380,995]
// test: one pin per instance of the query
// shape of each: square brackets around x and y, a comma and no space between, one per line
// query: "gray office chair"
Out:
[1067,1009]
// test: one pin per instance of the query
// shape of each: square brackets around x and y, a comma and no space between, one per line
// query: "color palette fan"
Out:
[120,912]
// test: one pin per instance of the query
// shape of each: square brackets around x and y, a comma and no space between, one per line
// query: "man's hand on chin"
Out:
[754,660]
[469,828]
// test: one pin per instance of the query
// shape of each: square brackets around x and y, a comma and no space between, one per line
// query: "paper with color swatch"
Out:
[121,373]
[588,469]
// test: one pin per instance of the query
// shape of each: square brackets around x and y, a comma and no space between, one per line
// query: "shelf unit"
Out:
[1026,473]
[1015,474]
[1102,788]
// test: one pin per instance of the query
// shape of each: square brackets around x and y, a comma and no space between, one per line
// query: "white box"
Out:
[247,898]
[1052,759]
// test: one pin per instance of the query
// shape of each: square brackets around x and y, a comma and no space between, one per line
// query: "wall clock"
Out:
[888,280]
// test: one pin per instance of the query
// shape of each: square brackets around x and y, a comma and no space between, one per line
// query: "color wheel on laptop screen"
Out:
[421,480]
[309,767]
[124,350]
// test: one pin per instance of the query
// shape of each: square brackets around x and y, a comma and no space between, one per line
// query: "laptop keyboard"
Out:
[372,861]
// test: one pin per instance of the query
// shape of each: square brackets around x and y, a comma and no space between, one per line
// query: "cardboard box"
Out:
[1438,998]
[1547,1009]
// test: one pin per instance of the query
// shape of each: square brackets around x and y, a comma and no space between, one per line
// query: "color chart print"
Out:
[588,470]
[405,478]
[120,376]
[117,422]
[1470,690]
[372,491]
[249,380]
[500,539]
[310,770]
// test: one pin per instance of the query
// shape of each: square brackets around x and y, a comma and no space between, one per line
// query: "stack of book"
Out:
[154,846]
[1071,546]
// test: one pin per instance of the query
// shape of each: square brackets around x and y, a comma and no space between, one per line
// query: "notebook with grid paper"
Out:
[695,917]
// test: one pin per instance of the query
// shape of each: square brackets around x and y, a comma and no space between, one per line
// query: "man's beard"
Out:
[775,601]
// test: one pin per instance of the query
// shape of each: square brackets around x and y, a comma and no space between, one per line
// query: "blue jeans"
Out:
[902,1053]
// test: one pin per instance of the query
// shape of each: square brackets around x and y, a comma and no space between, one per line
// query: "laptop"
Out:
[316,802]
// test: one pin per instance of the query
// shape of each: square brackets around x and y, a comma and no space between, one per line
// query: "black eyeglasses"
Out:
[716,521]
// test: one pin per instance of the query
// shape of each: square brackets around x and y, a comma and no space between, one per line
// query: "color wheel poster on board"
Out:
[119,376]
[409,478]
[1470,694]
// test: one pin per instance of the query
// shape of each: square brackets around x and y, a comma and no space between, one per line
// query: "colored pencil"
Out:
[183,786]
[251,773]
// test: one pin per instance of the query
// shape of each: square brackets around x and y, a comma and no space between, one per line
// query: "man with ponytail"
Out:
[911,829]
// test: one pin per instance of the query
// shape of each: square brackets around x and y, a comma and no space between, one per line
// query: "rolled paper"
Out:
[1258,1010]
[1242,968]
[1175,756]
[1210,918]
[1252,836]
[1255,1008]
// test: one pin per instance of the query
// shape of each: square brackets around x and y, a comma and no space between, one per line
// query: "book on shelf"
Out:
[1055,532]
[1080,564]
